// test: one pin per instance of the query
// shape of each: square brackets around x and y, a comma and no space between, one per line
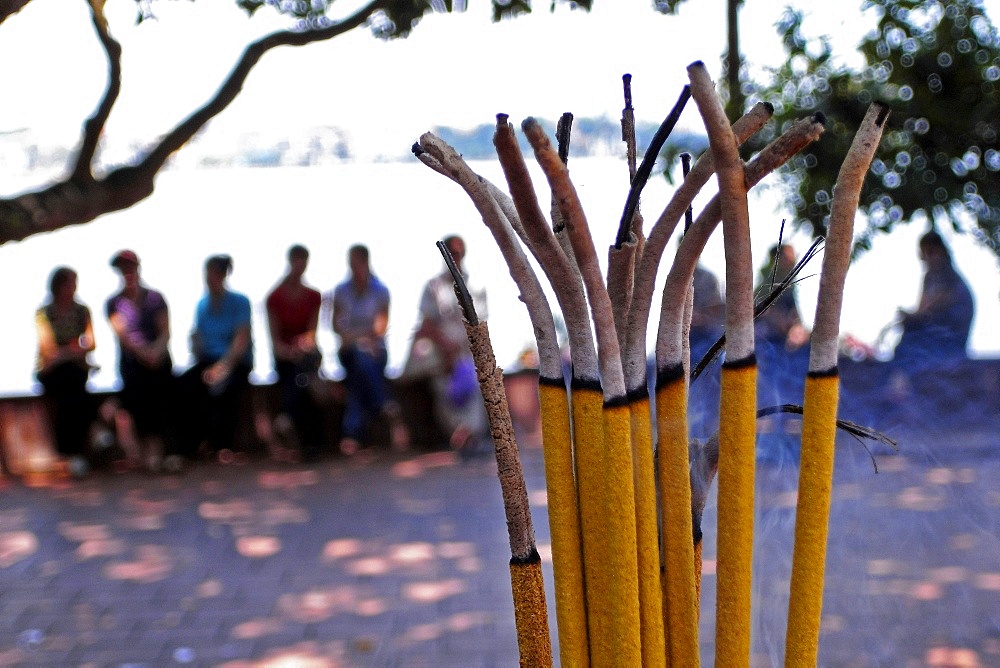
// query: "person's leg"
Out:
[70,408]
[371,379]
[354,420]
[302,408]
[225,406]
[191,399]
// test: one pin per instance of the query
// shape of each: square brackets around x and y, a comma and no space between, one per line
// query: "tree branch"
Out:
[10,7]
[233,85]
[82,198]
[94,126]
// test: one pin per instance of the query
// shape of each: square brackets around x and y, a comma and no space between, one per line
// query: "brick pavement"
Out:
[401,560]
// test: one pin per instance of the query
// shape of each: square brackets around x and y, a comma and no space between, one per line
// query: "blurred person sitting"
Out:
[780,325]
[65,338]
[782,357]
[936,333]
[441,351]
[708,319]
[708,315]
[140,319]
[360,320]
[211,390]
[292,316]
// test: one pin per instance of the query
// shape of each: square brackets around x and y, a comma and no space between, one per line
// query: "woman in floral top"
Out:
[65,338]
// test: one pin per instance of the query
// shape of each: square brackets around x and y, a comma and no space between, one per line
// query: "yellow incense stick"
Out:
[564,523]
[811,526]
[529,611]
[681,604]
[738,406]
[819,415]
[620,519]
[588,441]
[697,570]
[647,535]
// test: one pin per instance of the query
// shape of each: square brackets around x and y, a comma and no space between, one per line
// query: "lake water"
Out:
[399,210]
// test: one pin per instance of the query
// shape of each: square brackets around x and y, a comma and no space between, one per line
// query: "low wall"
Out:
[26,447]
[963,397]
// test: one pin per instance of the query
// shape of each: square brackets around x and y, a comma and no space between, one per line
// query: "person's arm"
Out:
[282,350]
[49,352]
[931,299]
[238,346]
[86,344]
[338,321]
[381,322]
[157,351]
[306,341]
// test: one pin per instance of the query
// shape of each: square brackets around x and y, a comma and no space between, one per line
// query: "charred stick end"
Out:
[461,289]
[563,131]
[685,170]
[646,167]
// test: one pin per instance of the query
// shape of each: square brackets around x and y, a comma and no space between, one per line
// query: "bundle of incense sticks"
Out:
[624,511]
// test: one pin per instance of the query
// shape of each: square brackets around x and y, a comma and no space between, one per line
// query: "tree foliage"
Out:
[937,66]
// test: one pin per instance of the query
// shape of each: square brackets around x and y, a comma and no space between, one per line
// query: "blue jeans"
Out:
[366,389]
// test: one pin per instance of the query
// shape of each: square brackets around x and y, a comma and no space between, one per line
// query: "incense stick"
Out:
[527,586]
[619,484]
[739,375]
[820,405]
[634,361]
[563,506]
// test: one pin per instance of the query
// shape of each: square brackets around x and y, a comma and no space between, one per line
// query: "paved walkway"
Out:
[401,560]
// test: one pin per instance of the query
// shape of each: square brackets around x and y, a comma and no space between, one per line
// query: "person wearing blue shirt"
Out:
[360,319]
[221,342]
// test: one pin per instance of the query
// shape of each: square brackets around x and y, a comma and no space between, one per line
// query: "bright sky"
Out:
[455,70]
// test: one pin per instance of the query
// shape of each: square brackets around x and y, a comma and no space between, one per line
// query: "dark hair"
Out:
[221,263]
[359,250]
[60,276]
[932,238]
[298,250]
[453,237]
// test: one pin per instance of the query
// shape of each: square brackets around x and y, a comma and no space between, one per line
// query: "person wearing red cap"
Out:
[140,319]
